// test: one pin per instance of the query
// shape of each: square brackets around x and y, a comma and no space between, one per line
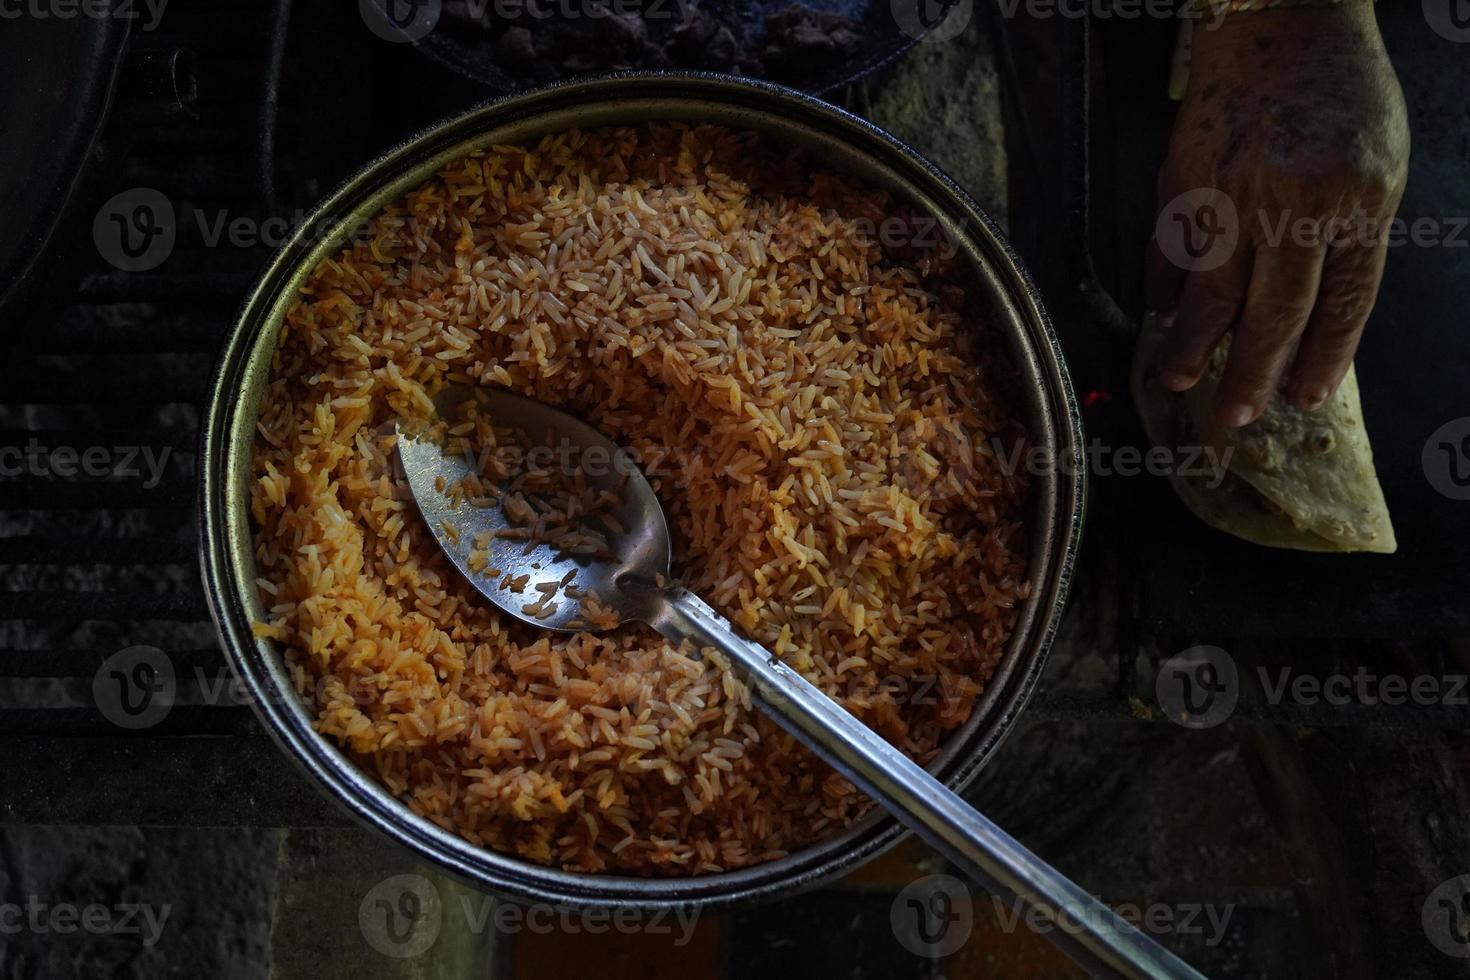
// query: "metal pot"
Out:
[842,141]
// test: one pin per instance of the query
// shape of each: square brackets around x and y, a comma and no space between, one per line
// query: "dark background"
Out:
[1323,828]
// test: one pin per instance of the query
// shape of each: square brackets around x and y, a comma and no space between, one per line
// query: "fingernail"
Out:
[1313,397]
[1175,381]
[1238,414]
[1166,320]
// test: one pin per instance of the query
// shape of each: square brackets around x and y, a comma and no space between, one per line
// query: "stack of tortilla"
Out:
[1294,479]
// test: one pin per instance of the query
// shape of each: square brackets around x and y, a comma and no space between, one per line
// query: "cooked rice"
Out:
[815,412]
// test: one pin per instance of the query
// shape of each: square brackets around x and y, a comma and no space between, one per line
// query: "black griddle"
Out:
[887,29]
[49,124]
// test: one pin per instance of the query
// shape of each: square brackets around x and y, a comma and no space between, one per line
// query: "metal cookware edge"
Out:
[848,144]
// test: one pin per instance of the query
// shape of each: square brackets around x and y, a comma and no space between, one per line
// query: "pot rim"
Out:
[227,435]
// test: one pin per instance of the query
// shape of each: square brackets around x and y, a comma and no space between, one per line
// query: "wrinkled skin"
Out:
[1294,114]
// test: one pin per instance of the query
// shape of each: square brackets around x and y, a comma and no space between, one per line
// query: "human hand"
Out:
[1293,127]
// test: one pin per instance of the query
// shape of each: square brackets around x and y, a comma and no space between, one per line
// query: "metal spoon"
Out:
[472,536]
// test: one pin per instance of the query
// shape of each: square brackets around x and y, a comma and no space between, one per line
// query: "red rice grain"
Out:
[815,412]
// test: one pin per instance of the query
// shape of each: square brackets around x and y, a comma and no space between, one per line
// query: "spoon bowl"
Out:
[542,458]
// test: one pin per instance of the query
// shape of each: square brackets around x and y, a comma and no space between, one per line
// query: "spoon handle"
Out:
[1086,929]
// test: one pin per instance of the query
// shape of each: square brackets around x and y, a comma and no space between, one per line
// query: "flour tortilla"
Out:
[1294,479]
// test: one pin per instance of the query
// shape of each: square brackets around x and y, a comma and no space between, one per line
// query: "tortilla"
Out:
[1293,479]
